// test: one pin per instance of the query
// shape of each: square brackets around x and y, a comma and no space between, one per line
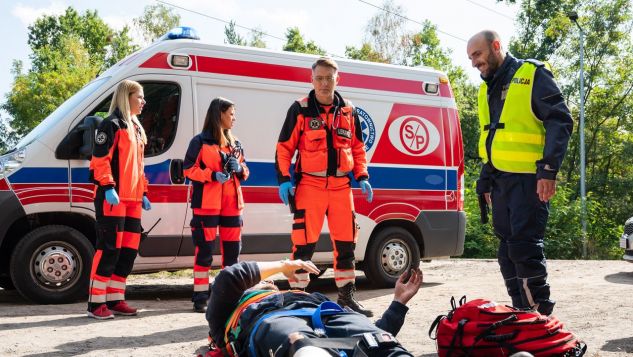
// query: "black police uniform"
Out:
[519,217]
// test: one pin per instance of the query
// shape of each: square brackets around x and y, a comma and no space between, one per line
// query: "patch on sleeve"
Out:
[101,137]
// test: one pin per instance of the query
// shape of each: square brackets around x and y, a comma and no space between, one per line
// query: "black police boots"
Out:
[346,298]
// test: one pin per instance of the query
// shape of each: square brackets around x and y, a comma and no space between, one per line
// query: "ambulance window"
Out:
[159,117]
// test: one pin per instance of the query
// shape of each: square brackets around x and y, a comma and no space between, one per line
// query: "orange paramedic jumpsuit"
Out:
[214,204]
[330,145]
[117,162]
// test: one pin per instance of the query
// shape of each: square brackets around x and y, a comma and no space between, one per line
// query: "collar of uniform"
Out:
[315,108]
[116,114]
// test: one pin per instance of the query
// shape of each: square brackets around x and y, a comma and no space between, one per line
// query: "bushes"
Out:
[563,236]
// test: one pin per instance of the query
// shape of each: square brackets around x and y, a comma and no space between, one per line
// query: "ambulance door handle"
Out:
[175,171]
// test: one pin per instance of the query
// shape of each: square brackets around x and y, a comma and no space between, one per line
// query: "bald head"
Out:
[485,52]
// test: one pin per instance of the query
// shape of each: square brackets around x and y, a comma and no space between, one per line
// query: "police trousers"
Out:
[519,219]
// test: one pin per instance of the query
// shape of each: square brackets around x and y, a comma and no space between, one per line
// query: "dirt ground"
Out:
[594,301]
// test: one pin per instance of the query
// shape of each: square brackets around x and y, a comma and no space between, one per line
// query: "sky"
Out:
[331,24]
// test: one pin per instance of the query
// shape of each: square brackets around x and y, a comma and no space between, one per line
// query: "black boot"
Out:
[346,298]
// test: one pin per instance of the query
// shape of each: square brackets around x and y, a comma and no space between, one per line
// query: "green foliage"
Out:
[296,43]
[231,36]
[234,38]
[48,33]
[365,53]
[37,93]
[480,241]
[68,51]
[8,137]
[156,21]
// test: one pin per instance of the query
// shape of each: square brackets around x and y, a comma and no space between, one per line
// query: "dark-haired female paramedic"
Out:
[215,165]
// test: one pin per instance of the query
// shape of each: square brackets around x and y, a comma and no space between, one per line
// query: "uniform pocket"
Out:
[314,140]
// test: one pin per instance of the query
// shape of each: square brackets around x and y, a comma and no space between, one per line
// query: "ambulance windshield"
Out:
[62,111]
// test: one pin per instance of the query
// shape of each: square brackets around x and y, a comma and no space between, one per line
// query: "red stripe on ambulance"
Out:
[291,73]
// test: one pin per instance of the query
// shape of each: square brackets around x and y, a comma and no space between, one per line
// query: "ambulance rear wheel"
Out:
[51,265]
[390,253]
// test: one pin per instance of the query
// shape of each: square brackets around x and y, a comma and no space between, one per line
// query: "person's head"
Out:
[129,98]
[485,52]
[219,121]
[324,79]
[263,285]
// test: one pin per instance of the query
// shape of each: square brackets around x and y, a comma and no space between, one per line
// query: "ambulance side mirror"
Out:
[88,128]
[79,142]
[176,172]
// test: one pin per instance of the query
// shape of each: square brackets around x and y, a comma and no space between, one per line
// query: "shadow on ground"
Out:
[112,343]
[620,345]
[620,278]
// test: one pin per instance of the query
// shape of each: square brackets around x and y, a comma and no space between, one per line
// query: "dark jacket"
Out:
[231,283]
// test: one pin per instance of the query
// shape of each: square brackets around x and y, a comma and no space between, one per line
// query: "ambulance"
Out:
[411,132]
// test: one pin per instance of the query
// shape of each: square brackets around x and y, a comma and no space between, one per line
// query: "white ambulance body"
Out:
[410,128]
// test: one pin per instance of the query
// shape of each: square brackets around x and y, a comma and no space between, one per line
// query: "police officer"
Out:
[326,131]
[525,127]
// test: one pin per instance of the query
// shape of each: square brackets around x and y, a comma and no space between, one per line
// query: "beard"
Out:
[493,64]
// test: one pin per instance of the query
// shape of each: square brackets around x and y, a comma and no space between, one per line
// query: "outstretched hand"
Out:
[291,266]
[403,292]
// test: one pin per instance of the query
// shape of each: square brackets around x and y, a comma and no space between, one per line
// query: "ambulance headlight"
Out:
[182,32]
[11,162]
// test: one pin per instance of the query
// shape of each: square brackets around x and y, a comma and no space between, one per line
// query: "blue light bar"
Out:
[182,32]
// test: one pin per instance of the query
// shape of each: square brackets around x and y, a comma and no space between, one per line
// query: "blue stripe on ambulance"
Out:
[262,174]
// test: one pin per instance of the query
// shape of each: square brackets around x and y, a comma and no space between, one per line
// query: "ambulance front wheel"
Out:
[390,253]
[51,265]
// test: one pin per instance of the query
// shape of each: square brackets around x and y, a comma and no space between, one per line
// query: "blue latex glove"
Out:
[285,190]
[146,204]
[233,165]
[365,188]
[112,197]
[221,177]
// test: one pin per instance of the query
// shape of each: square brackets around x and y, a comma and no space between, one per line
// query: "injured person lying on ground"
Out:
[250,316]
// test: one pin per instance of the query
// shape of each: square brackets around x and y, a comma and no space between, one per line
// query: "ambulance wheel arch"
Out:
[391,251]
[51,264]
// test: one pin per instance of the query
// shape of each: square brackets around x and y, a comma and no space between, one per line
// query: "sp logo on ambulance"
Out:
[414,135]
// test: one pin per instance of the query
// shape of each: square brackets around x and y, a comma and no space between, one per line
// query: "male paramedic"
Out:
[325,130]
[524,130]
[248,316]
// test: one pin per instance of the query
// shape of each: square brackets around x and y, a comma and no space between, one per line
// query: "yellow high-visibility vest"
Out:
[519,138]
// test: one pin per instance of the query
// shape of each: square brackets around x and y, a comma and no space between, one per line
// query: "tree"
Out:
[365,53]
[8,137]
[68,51]
[545,32]
[385,32]
[156,21]
[37,93]
[296,43]
[231,36]
[234,38]
[48,32]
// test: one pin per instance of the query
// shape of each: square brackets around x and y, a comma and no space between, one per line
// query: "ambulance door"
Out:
[167,120]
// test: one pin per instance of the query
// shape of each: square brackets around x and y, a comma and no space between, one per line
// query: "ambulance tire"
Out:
[51,265]
[391,252]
